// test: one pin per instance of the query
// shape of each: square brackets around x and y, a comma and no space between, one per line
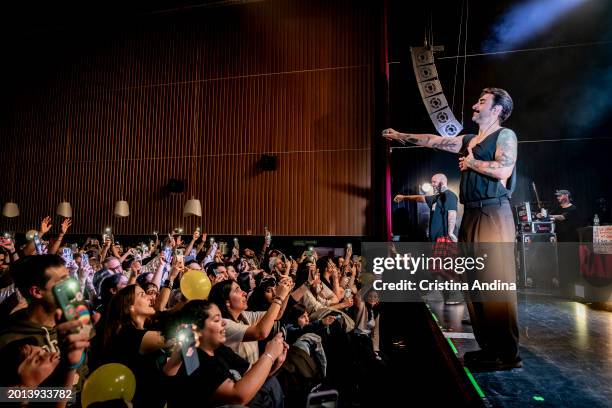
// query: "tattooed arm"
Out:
[505,158]
[449,144]
[452,221]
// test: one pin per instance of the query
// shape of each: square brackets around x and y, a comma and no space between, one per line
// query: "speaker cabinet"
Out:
[537,261]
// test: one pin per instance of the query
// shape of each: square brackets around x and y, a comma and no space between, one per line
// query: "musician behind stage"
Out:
[566,217]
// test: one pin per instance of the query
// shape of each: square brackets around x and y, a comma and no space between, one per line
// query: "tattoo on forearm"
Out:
[421,141]
[452,220]
[450,144]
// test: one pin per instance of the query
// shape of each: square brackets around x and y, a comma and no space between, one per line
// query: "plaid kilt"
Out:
[444,247]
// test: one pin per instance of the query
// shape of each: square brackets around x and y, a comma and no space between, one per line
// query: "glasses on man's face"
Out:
[152,292]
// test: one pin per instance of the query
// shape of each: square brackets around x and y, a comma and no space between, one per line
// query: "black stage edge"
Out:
[422,366]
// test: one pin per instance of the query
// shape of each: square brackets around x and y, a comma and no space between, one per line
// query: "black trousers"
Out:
[493,315]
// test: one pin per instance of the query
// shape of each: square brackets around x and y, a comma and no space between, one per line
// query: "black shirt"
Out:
[204,381]
[124,348]
[567,230]
[475,186]
[440,205]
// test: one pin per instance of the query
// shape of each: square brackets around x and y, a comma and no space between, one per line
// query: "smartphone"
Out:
[188,349]
[211,240]
[322,399]
[38,244]
[236,244]
[74,248]
[268,235]
[84,259]
[348,293]
[168,254]
[70,299]
[349,245]
[180,254]
[67,255]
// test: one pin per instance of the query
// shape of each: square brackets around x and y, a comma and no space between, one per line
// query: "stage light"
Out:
[474,383]
[526,20]
[452,346]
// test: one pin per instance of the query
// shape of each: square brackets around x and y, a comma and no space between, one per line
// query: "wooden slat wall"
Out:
[200,97]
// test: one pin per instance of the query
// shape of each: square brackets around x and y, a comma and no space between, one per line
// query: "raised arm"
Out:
[242,391]
[417,197]
[194,238]
[448,144]
[505,158]
[262,329]
[58,242]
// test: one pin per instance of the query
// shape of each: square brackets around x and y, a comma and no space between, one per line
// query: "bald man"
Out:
[442,206]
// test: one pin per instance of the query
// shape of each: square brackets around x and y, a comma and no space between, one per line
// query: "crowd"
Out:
[194,321]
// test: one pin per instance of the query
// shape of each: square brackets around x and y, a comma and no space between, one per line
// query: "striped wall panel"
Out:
[199,96]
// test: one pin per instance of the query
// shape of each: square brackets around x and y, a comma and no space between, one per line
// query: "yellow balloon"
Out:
[109,382]
[195,285]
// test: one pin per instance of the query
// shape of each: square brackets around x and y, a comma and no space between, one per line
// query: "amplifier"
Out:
[537,260]
[537,227]
[523,212]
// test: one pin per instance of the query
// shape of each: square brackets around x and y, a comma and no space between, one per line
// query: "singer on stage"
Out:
[487,163]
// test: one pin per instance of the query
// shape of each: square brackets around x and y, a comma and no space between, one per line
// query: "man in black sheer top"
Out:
[487,163]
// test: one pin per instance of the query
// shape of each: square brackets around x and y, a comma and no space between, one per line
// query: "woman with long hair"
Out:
[263,295]
[223,377]
[127,341]
[245,328]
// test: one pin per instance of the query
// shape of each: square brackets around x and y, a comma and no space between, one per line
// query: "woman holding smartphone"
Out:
[245,328]
[127,341]
[223,377]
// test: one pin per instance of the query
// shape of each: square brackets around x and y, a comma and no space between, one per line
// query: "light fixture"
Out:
[10,209]
[426,188]
[122,209]
[192,207]
[64,209]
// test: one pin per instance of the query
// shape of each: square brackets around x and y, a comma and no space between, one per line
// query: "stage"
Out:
[566,349]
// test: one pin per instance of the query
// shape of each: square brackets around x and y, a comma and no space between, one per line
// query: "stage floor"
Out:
[566,349]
